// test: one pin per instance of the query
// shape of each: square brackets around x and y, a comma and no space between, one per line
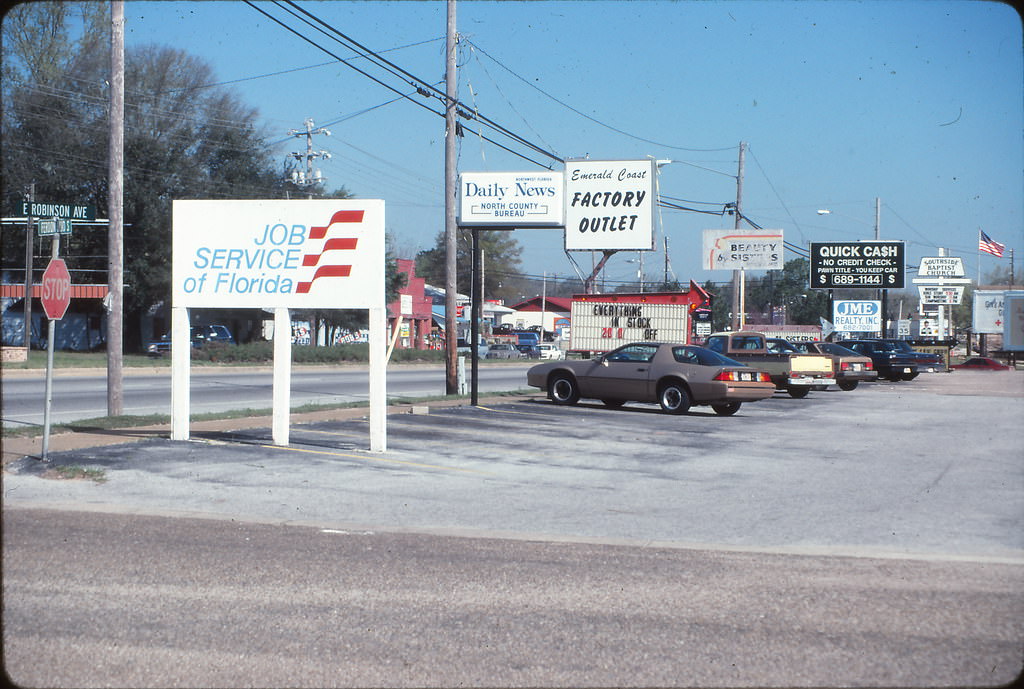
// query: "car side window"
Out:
[635,353]
[685,355]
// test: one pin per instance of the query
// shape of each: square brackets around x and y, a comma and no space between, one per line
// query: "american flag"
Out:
[989,246]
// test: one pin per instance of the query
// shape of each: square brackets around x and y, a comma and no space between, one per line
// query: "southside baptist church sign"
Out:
[313,254]
[603,204]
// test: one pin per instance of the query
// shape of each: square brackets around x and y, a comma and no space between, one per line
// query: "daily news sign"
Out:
[312,254]
[511,199]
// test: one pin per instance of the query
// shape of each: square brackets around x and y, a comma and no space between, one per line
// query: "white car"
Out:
[550,351]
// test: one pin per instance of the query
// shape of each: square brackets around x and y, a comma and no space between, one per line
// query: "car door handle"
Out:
[642,368]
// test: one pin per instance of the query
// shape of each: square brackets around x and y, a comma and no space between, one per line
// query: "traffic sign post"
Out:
[55,295]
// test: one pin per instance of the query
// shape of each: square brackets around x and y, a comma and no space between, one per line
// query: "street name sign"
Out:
[51,226]
[69,211]
[870,264]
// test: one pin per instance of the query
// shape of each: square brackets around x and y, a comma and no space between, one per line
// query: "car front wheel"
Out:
[727,409]
[674,398]
[562,389]
[798,392]
[847,384]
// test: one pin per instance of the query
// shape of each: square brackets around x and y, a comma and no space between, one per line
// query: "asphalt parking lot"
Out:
[931,468]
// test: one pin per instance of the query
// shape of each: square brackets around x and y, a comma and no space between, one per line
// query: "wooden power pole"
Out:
[115,208]
[450,195]
[738,276]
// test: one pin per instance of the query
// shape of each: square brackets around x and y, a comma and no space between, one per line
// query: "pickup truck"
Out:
[795,373]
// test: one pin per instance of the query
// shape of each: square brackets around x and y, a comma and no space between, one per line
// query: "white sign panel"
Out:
[988,311]
[1013,330]
[939,294]
[313,254]
[853,316]
[743,249]
[941,267]
[511,199]
[609,205]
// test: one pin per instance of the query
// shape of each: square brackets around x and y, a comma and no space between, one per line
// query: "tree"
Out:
[501,263]
[183,140]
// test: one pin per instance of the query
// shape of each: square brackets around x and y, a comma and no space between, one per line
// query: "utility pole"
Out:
[115,211]
[307,178]
[29,261]
[450,192]
[883,294]
[738,276]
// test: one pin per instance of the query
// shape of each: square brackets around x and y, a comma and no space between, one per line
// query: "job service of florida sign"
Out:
[609,205]
[314,254]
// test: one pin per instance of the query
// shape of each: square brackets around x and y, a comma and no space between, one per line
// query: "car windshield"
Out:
[839,350]
[779,346]
[702,357]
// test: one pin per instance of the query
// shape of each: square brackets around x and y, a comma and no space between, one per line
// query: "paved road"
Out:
[873,537]
[128,600]
[84,395]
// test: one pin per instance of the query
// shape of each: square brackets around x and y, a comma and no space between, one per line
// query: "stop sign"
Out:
[56,289]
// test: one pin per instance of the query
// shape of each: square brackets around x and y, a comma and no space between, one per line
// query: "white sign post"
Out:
[280,255]
[609,205]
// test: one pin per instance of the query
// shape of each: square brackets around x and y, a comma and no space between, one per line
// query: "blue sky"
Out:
[920,104]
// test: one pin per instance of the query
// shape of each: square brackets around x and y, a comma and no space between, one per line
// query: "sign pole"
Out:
[50,341]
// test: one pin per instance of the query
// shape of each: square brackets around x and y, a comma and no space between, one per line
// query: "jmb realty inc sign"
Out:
[315,254]
[857,316]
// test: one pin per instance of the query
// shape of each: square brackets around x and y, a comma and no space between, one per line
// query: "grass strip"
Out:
[132,421]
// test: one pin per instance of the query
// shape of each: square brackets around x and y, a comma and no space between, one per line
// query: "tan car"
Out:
[851,368]
[676,376]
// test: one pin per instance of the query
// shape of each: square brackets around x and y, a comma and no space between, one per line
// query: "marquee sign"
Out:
[314,254]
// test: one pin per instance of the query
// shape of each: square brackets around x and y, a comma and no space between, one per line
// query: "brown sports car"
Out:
[676,376]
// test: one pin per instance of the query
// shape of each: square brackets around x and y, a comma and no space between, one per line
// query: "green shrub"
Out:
[263,353]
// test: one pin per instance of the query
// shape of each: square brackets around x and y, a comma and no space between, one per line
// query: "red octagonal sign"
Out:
[56,289]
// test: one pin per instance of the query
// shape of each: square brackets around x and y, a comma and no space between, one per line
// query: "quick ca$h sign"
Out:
[317,254]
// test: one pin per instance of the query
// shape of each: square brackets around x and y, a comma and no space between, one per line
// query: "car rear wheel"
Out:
[562,389]
[847,384]
[727,409]
[674,398]
[798,392]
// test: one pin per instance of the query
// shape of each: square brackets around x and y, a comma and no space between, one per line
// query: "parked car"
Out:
[201,335]
[851,367]
[503,350]
[930,363]
[550,351]
[462,347]
[529,351]
[981,363]
[890,362]
[676,376]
